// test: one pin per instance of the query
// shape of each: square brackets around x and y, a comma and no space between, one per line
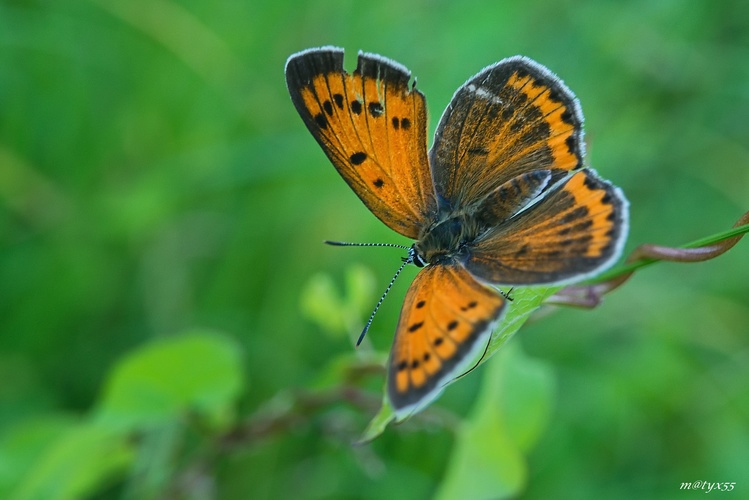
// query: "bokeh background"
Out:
[155,182]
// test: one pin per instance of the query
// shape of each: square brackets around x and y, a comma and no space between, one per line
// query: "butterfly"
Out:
[501,198]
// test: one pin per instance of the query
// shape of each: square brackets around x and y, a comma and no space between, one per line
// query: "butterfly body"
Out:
[450,237]
[502,197]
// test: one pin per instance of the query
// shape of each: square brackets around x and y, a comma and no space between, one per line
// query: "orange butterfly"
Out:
[501,198]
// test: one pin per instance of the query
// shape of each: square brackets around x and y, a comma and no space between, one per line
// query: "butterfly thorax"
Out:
[448,240]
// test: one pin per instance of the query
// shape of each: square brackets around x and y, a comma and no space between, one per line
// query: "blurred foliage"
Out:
[155,183]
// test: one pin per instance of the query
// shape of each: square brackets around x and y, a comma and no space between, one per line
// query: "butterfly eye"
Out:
[415,258]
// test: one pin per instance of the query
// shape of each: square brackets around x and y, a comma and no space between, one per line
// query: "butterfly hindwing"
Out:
[511,118]
[372,126]
[446,320]
[577,229]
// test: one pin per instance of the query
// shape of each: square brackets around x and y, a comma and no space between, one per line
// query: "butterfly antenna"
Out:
[347,244]
[406,261]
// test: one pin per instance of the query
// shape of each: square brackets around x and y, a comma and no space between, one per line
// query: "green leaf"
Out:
[524,302]
[338,313]
[22,445]
[378,424]
[196,372]
[509,416]
[321,303]
[76,464]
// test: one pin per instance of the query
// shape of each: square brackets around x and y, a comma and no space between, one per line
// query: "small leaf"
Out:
[198,372]
[334,312]
[509,416]
[321,304]
[76,464]
[360,284]
[22,445]
[378,424]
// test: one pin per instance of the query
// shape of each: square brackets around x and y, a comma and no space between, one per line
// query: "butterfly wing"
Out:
[446,320]
[372,126]
[577,229]
[511,118]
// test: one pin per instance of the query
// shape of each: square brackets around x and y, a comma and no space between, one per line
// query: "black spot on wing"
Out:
[555,93]
[591,183]
[321,121]
[571,143]
[376,109]
[358,158]
[540,82]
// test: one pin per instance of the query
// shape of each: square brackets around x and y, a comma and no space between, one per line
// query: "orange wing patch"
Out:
[573,232]
[446,320]
[372,126]
[512,118]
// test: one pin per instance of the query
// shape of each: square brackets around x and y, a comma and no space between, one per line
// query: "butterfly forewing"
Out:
[576,230]
[445,322]
[511,118]
[372,126]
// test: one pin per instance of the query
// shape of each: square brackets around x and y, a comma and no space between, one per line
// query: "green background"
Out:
[163,282]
